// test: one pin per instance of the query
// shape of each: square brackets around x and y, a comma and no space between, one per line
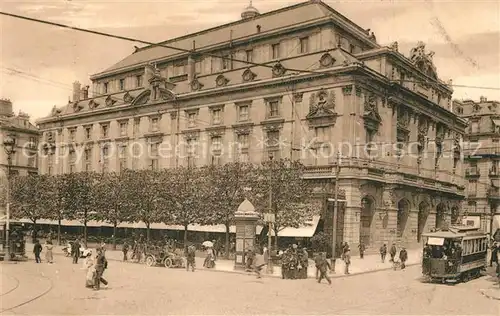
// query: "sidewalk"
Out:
[370,263]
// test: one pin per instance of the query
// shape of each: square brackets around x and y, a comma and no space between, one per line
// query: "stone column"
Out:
[411,231]
[390,200]
[352,213]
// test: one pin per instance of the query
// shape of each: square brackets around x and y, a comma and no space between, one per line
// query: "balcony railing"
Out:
[472,172]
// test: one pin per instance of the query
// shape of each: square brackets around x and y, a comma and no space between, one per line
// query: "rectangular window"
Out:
[243,142]
[216,144]
[123,128]
[135,160]
[191,153]
[273,139]
[105,159]
[249,55]
[180,69]
[88,132]
[104,130]
[31,161]
[153,149]
[273,108]
[72,134]
[105,87]
[50,164]
[243,157]
[276,51]
[154,164]
[155,124]
[243,114]
[472,187]
[226,62]
[216,116]
[88,159]
[216,160]
[198,67]
[122,155]
[304,45]
[138,81]
[191,119]
[137,126]
[474,127]
[72,161]
[352,48]
[122,84]
[323,134]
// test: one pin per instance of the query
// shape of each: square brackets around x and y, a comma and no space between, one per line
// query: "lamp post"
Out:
[9,145]
[270,218]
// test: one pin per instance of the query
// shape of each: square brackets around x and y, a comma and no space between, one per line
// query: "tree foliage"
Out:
[291,194]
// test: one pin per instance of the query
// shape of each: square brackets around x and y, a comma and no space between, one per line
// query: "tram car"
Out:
[17,244]
[457,254]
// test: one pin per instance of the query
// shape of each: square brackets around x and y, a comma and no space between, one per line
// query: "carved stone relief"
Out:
[326,60]
[297,97]
[347,90]
[321,102]
[358,92]
[423,60]
[394,46]
[403,119]
[110,101]
[196,85]
[390,198]
[278,70]
[243,130]
[248,75]
[127,98]
[93,104]
[221,81]
[77,107]
[193,135]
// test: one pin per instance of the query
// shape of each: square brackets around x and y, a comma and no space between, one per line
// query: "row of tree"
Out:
[180,196]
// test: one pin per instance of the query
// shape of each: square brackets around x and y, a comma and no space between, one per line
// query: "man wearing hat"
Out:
[403,256]
[100,265]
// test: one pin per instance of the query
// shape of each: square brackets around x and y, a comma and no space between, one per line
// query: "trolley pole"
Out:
[7,210]
[270,220]
[335,213]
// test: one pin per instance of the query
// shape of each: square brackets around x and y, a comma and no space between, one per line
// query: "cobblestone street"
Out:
[58,289]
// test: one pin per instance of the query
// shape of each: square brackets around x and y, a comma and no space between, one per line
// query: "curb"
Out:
[492,297]
[264,275]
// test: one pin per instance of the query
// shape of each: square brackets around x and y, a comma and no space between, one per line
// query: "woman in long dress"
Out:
[48,253]
[88,265]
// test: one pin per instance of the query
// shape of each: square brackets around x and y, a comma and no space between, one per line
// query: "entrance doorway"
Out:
[366,220]
[403,213]
[423,214]
[440,216]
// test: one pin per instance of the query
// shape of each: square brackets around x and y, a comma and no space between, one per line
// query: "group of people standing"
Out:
[95,269]
[403,254]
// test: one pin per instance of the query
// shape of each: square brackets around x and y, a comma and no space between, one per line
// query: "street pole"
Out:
[270,223]
[7,209]
[335,213]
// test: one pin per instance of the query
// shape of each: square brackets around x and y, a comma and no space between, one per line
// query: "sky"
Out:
[38,63]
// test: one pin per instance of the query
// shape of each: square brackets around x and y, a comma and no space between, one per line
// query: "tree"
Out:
[113,196]
[188,197]
[144,197]
[55,201]
[78,197]
[321,242]
[28,197]
[291,194]
[227,189]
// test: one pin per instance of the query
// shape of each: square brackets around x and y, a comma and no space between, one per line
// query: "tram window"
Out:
[466,247]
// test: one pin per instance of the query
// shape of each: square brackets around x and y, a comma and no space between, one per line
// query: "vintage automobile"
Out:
[456,254]
[168,259]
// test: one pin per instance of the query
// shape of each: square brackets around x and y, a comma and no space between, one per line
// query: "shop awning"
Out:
[305,231]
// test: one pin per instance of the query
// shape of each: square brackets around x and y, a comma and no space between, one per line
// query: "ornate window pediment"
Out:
[142,98]
[248,75]
[127,98]
[110,101]
[423,60]
[326,60]
[196,85]
[403,119]
[322,108]
[166,94]
[371,116]
[221,81]
[278,70]
[93,104]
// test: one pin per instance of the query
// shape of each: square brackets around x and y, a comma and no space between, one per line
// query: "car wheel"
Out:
[150,261]
[167,263]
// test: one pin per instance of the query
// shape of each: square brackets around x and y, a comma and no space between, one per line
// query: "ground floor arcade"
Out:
[376,213]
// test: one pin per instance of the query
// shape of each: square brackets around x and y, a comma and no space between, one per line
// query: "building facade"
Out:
[482,158]
[302,82]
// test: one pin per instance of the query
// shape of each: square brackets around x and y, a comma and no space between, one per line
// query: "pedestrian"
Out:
[383,252]
[37,249]
[191,259]
[125,251]
[48,252]
[75,250]
[89,266]
[393,252]
[361,248]
[324,266]
[317,262]
[494,254]
[258,264]
[347,260]
[250,255]
[101,264]
[403,256]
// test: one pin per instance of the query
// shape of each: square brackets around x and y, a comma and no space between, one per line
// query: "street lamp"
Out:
[9,145]
[270,218]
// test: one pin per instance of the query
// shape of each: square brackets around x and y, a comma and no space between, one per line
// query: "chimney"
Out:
[85,93]
[76,91]
[483,99]
[6,108]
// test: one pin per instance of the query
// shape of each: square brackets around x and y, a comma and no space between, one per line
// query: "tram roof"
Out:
[456,232]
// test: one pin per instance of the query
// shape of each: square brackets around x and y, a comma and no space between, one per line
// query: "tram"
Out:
[17,244]
[456,254]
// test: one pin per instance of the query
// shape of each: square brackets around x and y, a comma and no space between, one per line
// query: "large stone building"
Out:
[292,83]
[482,158]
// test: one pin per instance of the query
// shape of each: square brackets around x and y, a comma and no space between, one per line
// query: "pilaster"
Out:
[389,231]
[352,213]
